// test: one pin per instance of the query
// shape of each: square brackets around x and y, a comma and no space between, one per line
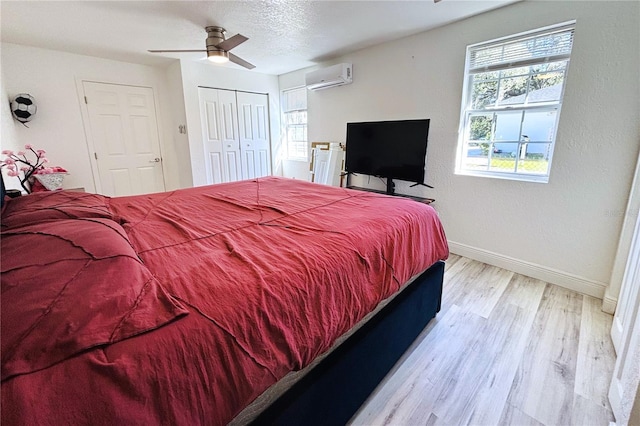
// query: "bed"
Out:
[187,307]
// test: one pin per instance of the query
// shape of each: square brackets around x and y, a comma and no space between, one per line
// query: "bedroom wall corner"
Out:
[51,77]
[175,117]
[201,74]
[570,225]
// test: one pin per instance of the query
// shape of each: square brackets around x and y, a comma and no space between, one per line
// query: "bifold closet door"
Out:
[253,117]
[218,112]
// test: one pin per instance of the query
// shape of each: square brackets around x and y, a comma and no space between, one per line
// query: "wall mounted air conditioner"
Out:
[336,75]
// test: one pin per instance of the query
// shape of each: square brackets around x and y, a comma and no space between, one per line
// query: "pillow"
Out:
[71,285]
[51,205]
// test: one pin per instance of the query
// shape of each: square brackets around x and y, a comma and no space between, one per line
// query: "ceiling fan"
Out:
[218,47]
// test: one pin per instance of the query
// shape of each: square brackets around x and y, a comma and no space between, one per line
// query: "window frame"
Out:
[467,110]
[286,125]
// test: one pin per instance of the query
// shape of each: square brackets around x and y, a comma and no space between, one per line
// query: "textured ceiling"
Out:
[283,35]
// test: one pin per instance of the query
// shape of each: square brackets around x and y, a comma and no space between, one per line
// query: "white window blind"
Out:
[546,46]
[294,100]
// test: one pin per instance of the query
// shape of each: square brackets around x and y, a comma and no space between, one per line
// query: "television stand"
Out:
[391,190]
[420,184]
[391,187]
[377,191]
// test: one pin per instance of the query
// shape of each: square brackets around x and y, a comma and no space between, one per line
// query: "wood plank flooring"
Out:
[505,349]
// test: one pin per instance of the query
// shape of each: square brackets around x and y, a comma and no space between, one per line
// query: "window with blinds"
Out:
[294,112]
[511,104]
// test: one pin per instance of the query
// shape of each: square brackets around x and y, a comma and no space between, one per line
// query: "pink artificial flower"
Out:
[12,173]
[45,160]
[11,167]
[21,153]
[9,161]
[28,146]
[7,152]
[24,168]
[41,151]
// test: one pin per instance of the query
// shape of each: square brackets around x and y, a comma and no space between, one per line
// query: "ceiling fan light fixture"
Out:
[218,56]
[218,47]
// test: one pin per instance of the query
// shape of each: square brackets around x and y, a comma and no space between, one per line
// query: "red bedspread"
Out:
[271,271]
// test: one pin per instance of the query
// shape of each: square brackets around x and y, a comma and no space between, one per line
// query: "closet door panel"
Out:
[211,135]
[253,115]
[230,139]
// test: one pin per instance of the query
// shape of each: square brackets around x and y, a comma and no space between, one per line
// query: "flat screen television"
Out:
[388,149]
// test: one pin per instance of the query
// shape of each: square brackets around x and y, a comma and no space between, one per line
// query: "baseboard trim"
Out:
[543,273]
[609,304]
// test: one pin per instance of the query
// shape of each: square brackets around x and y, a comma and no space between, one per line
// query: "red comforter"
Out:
[207,296]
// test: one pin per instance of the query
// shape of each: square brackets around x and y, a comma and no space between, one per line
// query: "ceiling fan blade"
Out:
[236,60]
[176,51]
[232,42]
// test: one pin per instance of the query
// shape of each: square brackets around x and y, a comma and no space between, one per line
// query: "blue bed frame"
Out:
[332,392]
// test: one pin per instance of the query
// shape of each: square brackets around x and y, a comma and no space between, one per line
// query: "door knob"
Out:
[155,160]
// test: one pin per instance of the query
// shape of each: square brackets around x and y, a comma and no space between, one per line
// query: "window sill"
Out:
[505,176]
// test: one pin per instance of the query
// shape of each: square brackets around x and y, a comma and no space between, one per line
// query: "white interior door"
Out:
[321,165]
[253,116]
[626,333]
[124,131]
[219,116]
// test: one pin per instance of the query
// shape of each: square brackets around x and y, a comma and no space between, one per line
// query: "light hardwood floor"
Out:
[504,350]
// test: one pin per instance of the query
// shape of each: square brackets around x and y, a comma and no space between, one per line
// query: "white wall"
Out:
[565,231]
[177,117]
[203,74]
[50,77]
[8,134]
